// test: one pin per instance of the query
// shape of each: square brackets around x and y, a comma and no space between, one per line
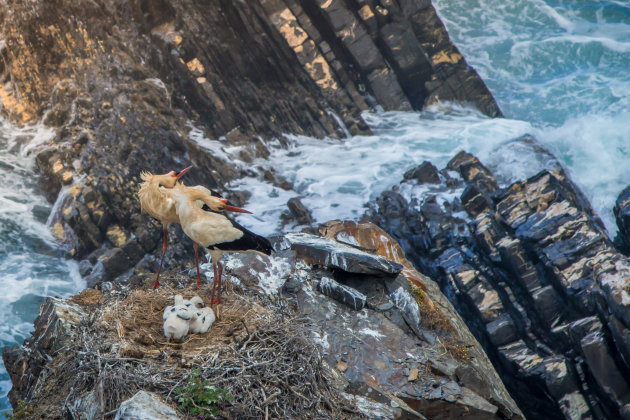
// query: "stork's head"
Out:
[167,180]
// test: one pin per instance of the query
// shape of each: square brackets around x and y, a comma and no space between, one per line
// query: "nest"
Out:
[257,351]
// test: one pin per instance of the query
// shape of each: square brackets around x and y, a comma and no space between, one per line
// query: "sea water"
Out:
[31,264]
[558,69]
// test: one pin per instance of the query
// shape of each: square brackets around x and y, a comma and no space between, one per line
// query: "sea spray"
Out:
[31,264]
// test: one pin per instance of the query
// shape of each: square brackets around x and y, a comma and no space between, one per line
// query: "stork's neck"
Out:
[184,209]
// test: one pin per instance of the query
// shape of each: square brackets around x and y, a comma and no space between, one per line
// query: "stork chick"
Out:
[202,321]
[177,320]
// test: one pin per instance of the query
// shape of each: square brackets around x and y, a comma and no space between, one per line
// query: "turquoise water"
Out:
[31,265]
[558,69]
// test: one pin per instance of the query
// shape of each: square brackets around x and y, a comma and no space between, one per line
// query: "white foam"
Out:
[336,178]
[30,268]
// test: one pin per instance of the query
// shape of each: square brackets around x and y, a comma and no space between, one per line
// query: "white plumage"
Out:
[186,316]
[177,320]
[202,320]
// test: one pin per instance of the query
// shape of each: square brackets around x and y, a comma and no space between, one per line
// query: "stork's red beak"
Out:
[183,172]
[237,209]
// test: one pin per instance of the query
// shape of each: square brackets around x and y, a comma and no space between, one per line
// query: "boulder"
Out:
[329,253]
[426,173]
[145,406]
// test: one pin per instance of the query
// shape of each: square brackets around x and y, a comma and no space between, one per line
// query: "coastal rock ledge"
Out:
[534,274]
[285,345]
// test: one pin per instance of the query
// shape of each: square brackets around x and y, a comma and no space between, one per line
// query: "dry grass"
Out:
[435,319]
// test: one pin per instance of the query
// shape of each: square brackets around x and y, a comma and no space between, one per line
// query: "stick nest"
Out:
[257,350]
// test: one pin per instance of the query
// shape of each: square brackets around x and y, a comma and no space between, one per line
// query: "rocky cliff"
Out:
[532,271]
[325,328]
[137,85]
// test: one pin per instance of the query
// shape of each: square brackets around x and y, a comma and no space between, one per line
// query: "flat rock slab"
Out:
[332,254]
[145,406]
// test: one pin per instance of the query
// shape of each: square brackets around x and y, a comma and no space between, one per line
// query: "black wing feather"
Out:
[248,242]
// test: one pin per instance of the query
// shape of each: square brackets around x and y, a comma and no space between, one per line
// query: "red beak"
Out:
[237,209]
[183,172]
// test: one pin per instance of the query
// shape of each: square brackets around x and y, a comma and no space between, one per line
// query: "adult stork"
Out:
[154,195]
[214,231]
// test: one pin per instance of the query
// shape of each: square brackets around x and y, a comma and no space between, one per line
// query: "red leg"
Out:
[197,262]
[156,284]
[214,284]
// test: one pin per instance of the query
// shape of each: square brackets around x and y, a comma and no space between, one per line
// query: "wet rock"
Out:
[502,331]
[534,275]
[329,253]
[300,213]
[622,216]
[145,406]
[426,173]
[603,367]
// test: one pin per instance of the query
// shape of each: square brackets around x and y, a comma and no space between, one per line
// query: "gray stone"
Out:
[574,406]
[426,173]
[502,330]
[603,367]
[145,406]
[344,294]
[329,253]
[115,262]
[87,407]
[300,213]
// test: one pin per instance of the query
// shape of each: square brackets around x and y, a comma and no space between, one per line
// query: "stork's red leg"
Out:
[156,284]
[197,262]
[214,284]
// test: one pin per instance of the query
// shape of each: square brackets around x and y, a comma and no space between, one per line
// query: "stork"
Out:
[154,198]
[214,231]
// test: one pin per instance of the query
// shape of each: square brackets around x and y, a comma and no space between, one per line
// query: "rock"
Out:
[426,173]
[344,294]
[145,406]
[622,216]
[300,213]
[502,331]
[57,322]
[603,367]
[400,293]
[329,253]
[537,280]
[114,262]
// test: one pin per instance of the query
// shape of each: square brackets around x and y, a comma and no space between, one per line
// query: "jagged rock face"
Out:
[622,216]
[125,83]
[404,354]
[537,280]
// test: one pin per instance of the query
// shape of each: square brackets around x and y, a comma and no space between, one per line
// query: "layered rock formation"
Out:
[402,353]
[132,86]
[532,271]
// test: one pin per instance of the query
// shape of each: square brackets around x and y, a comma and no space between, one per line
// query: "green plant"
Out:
[21,412]
[199,398]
